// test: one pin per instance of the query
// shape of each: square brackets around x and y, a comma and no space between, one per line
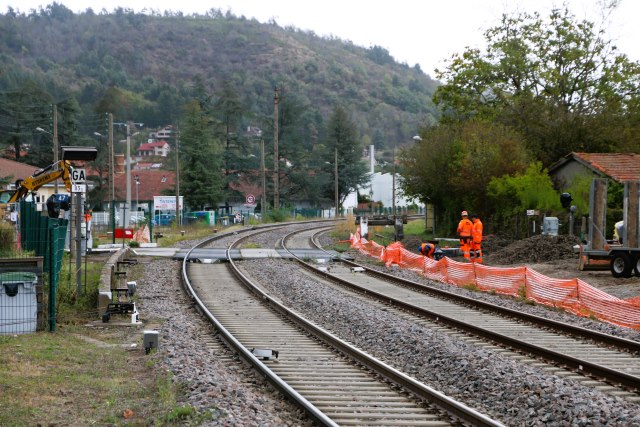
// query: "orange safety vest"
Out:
[427,249]
[464,228]
[476,232]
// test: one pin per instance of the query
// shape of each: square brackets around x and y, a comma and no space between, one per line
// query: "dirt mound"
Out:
[535,249]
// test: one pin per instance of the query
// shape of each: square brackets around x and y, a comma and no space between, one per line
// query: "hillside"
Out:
[159,59]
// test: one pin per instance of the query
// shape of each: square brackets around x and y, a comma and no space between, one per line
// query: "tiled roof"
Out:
[618,166]
[152,183]
[15,170]
[150,145]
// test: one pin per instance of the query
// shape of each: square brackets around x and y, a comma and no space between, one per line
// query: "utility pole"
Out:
[263,199]
[177,176]
[335,170]
[55,141]
[393,182]
[112,185]
[128,173]
[276,160]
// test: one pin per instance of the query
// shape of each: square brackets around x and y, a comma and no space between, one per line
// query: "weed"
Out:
[251,245]
[471,287]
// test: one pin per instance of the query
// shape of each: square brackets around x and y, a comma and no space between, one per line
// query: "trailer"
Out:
[622,258]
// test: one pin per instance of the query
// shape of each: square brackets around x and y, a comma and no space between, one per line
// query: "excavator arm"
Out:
[58,170]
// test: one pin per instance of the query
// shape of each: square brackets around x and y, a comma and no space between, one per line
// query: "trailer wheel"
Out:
[621,265]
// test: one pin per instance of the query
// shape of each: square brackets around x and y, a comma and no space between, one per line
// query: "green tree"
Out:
[200,165]
[352,171]
[455,161]
[531,189]
[23,110]
[559,82]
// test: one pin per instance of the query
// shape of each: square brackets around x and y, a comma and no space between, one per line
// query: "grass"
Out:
[60,379]
[81,375]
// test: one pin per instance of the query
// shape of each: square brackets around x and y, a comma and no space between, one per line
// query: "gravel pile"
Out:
[538,248]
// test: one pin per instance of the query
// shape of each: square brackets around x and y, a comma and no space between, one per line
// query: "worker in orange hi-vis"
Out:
[476,239]
[427,249]
[464,233]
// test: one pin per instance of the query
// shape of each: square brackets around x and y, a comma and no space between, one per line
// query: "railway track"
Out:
[606,362]
[334,382]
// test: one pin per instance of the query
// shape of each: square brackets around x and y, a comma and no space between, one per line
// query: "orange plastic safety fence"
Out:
[435,270]
[507,281]
[573,295]
[460,273]
[607,307]
[393,254]
[411,261]
[554,292]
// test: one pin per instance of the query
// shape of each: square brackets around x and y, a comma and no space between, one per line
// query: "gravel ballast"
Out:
[516,394]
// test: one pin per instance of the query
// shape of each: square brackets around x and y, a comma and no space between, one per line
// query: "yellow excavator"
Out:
[59,170]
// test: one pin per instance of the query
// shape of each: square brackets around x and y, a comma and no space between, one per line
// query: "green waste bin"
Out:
[18,302]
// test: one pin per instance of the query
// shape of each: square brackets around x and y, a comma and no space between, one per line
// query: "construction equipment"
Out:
[59,170]
[623,258]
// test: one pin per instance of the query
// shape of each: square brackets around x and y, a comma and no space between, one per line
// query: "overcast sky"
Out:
[413,31]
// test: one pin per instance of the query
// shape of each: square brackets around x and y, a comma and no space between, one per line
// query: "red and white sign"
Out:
[251,199]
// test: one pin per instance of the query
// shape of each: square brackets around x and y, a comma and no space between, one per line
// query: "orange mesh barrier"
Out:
[501,280]
[607,307]
[554,292]
[460,273]
[573,295]
[411,261]
[393,254]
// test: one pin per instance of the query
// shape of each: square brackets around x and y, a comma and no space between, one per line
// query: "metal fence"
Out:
[30,270]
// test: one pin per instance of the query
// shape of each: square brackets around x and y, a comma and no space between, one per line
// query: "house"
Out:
[164,133]
[620,167]
[155,148]
[144,185]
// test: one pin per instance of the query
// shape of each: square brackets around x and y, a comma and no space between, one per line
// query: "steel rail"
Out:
[570,362]
[319,417]
[458,409]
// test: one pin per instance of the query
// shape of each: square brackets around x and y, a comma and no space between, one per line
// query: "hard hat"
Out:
[420,248]
[464,213]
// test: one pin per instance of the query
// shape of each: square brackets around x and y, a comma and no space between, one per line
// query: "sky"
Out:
[413,31]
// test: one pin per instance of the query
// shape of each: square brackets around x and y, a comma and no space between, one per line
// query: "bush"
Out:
[7,237]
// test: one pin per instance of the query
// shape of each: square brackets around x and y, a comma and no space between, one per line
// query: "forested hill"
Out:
[156,60]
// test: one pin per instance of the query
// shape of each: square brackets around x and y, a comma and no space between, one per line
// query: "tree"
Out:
[553,81]
[200,171]
[531,189]
[23,110]
[352,172]
[453,164]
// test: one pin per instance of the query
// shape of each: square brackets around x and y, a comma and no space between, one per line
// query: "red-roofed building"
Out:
[156,148]
[144,185]
[620,167]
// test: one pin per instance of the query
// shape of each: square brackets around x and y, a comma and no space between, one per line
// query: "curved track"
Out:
[580,351]
[334,382]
